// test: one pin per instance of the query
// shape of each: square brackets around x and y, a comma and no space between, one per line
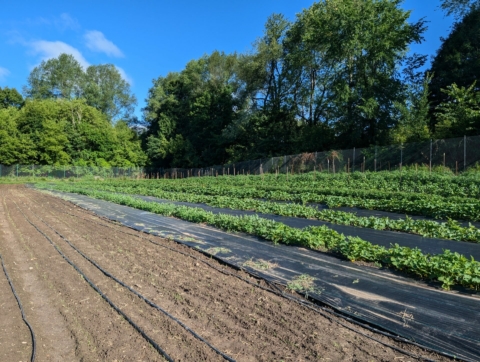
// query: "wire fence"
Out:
[67,171]
[455,154]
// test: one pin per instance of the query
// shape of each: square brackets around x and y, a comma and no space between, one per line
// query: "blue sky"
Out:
[149,38]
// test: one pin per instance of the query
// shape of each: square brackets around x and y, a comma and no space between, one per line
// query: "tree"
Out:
[265,124]
[412,115]
[61,77]
[460,115]
[187,111]
[15,147]
[64,132]
[107,91]
[457,61]
[101,85]
[459,8]
[356,47]
[9,97]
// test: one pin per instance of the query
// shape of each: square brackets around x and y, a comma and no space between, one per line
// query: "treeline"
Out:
[338,76]
[70,116]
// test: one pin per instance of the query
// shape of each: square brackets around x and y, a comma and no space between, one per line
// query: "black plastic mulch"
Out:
[379,237]
[444,321]
[377,213]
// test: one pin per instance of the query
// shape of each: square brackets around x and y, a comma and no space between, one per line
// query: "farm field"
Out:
[429,196]
[72,321]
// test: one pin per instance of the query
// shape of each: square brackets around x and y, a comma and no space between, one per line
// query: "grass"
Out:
[217,250]
[260,264]
[302,284]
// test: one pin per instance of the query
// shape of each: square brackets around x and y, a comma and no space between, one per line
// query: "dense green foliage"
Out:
[456,69]
[9,97]
[340,75]
[448,268]
[100,85]
[211,196]
[328,79]
[59,132]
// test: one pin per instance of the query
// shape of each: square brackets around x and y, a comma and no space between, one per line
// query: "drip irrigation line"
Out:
[118,310]
[146,300]
[275,290]
[34,348]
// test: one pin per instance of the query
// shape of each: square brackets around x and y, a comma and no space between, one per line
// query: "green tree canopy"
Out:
[460,114]
[58,132]
[362,44]
[459,8]
[457,61]
[101,86]
[107,91]
[9,97]
[60,77]
[187,111]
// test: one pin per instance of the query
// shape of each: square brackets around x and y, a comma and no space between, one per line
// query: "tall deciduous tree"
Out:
[187,112]
[457,61]
[362,42]
[61,77]
[107,91]
[101,85]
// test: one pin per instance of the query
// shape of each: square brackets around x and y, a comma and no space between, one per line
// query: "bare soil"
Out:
[73,323]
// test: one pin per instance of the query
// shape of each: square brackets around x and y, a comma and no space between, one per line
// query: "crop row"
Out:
[288,193]
[434,184]
[425,205]
[448,268]
[428,228]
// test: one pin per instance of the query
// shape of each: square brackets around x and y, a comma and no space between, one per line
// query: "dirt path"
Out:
[73,322]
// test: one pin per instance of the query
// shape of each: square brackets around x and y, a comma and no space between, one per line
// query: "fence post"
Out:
[375,163]
[431,144]
[63,171]
[353,161]
[17,169]
[401,156]
[464,153]
[0,170]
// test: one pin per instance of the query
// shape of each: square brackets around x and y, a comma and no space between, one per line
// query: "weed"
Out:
[301,283]
[217,250]
[260,264]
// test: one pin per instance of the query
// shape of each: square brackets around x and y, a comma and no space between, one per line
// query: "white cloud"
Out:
[96,41]
[124,75]
[4,72]
[52,49]
[65,21]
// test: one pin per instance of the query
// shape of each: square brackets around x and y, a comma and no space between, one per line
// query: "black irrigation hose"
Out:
[149,302]
[312,306]
[118,310]
[34,349]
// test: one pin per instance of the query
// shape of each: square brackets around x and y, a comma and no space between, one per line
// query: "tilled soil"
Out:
[72,322]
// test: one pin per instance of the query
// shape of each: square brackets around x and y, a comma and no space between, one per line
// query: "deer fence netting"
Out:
[455,154]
